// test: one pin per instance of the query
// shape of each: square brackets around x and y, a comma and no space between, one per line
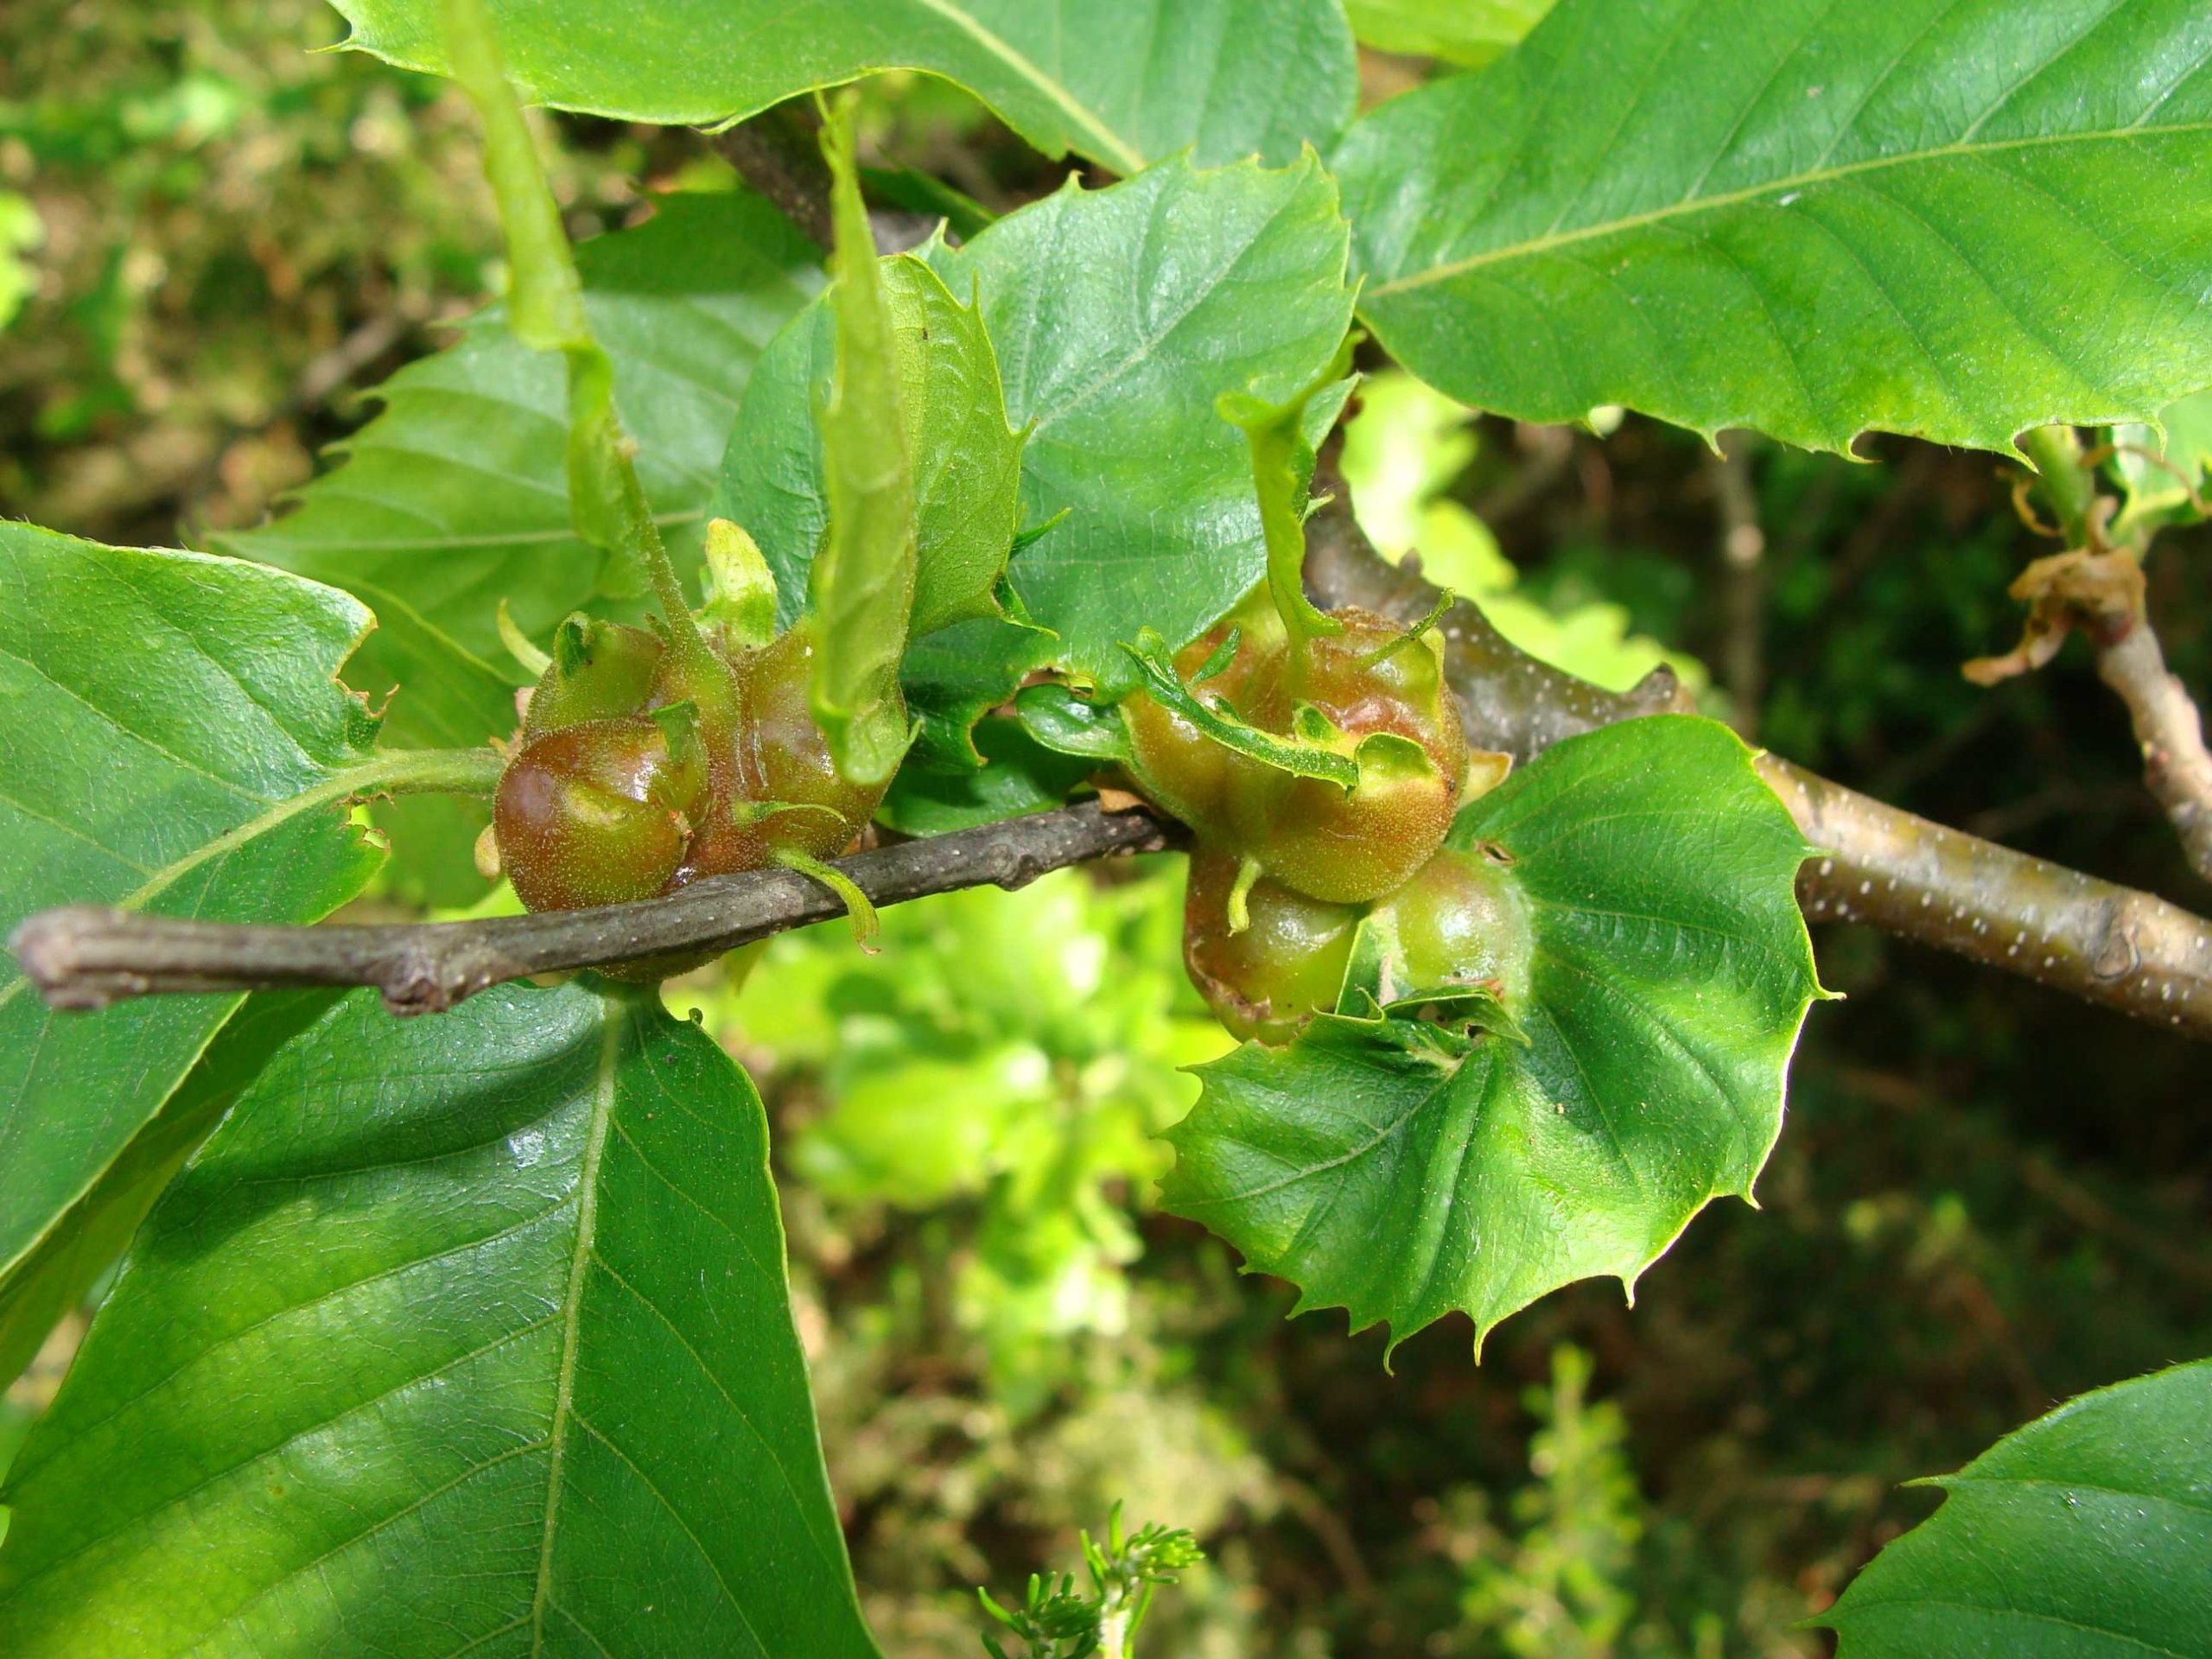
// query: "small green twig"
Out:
[2066,480]
[545,311]
[1282,471]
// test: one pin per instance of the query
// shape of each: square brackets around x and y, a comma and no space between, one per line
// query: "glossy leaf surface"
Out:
[955,677]
[966,461]
[1402,1171]
[1951,217]
[1124,84]
[1071,724]
[1119,316]
[468,1333]
[2086,1534]
[1017,775]
[177,743]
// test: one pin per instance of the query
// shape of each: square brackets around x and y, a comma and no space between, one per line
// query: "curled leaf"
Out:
[519,645]
[863,580]
[865,924]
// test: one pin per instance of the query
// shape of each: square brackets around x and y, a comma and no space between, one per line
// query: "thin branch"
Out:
[89,955]
[1510,701]
[2096,589]
[2107,943]
[2177,768]
[2095,939]
[778,155]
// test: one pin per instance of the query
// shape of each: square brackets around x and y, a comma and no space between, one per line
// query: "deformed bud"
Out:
[1287,962]
[742,607]
[1463,921]
[1372,691]
[598,813]
[599,671]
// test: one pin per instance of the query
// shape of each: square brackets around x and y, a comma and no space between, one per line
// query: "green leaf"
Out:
[955,677]
[545,309]
[177,742]
[456,497]
[966,461]
[2087,1533]
[1119,315]
[1465,32]
[1124,85]
[463,1331]
[1401,1171]
[2164,491]
[861,587]
[545,306]
[84,1239]
[1018,775]
[1058,718]
[1955,219]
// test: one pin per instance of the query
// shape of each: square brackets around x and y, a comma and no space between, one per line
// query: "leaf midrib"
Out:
[1810,179]
[1113,149]
[564,1390]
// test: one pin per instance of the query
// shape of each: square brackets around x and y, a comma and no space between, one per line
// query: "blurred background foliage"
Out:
[1986,1199]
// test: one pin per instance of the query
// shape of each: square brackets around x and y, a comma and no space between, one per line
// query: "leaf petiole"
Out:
[534,661]
[422,771]
[1283,467]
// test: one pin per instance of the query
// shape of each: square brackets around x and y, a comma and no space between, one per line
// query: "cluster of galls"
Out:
[1286,867]
[647,758]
